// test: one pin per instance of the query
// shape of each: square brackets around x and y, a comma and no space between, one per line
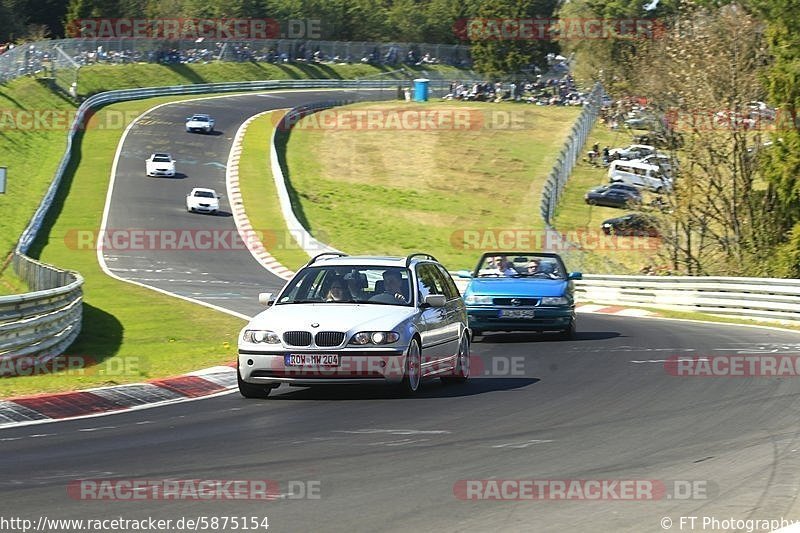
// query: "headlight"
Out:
[553,300]
[474,299]
[258,336]
[374,337]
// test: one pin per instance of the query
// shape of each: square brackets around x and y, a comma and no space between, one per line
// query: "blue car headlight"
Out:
[474,299]
[554,300]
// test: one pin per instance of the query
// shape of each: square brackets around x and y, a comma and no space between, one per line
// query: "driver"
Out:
[548,270]
[392,288]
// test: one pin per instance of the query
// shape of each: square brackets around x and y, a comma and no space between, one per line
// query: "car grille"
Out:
[516,302]
[297,338]
[329,338]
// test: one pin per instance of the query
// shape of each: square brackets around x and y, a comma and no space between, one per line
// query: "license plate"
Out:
[516,313]
[302,359]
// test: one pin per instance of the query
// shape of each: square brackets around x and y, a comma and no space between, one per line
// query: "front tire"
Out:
[249,390]
[412,378]
[568,333]
[461,371]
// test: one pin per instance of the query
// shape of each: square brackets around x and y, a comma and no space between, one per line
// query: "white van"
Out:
[639,174]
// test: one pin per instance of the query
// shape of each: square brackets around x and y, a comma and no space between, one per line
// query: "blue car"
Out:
[529,291]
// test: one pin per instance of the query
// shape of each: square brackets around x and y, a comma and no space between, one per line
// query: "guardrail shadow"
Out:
[282,135]
[100,337]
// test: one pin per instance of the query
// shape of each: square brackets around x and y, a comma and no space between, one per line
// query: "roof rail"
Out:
[426,256]
[335,254]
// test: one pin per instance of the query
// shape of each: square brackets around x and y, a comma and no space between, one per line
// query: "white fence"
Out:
[763,298]
[554,185]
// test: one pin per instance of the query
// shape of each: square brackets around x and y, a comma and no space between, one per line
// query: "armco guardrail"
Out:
[40,325]
[765,298]
[557,179]
[310,245]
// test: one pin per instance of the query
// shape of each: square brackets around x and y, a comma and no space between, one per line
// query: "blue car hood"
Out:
[517,287]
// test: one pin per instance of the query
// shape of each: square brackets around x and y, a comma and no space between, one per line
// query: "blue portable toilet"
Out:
[421,89]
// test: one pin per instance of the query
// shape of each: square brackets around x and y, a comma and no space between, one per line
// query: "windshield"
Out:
[521,265]
[200,118]
[161,158]
[337,284]
[204,194]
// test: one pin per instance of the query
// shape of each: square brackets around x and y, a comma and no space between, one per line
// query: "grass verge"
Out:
[260,195]
[130,334]
[420,190]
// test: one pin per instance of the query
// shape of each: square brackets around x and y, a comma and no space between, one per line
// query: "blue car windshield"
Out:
[521,266]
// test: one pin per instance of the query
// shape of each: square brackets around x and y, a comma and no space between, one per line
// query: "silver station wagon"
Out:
[358,319]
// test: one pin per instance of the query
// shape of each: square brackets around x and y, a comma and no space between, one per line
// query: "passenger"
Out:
[338,292]
[355,285]
[509,270]
[532,267]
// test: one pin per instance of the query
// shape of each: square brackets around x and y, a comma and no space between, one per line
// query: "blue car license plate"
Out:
[516,313]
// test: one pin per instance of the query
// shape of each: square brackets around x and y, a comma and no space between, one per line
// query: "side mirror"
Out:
[435,300]
[575,275]
[265,299]
[464,274]
[188,119]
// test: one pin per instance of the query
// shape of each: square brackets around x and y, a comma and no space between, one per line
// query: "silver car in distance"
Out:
[358,319]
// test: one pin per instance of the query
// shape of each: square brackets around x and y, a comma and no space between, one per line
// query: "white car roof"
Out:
[363,261]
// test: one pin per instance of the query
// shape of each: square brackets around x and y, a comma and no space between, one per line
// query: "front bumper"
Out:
[355,366]
[205,208]
[156,172]
[486,318]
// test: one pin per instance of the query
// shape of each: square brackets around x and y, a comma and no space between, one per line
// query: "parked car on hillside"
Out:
[613,197]
[634,224]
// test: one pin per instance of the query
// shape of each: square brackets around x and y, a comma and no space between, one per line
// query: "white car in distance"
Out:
[202,200]
[160,164]
[200,122]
